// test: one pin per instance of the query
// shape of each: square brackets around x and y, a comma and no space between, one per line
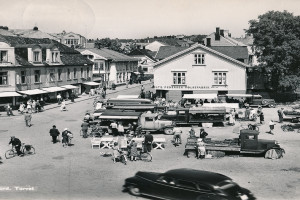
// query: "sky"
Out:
[136,19]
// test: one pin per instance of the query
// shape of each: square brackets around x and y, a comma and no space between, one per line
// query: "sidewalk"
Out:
[80,98]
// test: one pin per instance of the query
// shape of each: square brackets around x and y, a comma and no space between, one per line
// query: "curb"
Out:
[52,106]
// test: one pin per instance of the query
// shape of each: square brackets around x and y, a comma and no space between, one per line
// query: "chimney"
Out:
[222,32]
[217,34]
[208,42]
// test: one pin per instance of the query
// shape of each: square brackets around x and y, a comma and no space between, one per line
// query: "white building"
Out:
[198,70]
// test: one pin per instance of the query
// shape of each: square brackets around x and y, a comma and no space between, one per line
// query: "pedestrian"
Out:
[201,149]
[148,141]
[114,128]
[177,134]
[127,83]
[104,90]
[84,128]
[121,129]
[133,150]
[59,99]
[271,125]
[203,134]
[9,110]
[38,106]
[64,135]
[63,106]
[72,96]
[247,113]
[116,153]
[262,117]
[29,107]
[192,132]
[33,106]
[54,133]
[27,118]
[42,103]
[22,108]
[280,115]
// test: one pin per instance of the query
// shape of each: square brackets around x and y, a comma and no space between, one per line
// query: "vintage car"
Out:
[186,184]
[254,100]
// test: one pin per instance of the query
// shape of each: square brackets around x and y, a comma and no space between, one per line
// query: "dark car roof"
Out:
[199,176]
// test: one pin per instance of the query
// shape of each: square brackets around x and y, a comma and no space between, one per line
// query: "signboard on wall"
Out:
[185,87]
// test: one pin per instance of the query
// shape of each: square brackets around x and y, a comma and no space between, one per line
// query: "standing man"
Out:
[58,98]
[203,134]
[72,96]
[280,115]
[27,118]
[9,110]
[54,133]
[15,142]
[84,128]
[114,128]
[148,141]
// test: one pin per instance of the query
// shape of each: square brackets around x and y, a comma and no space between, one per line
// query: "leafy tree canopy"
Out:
[277,46]
[115,45]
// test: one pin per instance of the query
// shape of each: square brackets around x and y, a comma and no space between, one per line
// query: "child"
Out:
[133,151]
[271,124]
[115,151]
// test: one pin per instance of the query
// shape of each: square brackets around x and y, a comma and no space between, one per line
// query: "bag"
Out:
[28,147]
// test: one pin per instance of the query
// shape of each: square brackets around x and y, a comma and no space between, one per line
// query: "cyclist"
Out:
[16,143]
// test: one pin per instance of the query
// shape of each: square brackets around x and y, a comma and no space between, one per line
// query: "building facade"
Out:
[111,66]
[40,67]
[199,70]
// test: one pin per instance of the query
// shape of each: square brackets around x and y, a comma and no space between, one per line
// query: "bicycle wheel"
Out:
[146,157]
[30,151]
[9,154]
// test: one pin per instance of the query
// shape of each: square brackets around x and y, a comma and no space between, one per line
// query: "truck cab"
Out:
[250,143]
[152,122]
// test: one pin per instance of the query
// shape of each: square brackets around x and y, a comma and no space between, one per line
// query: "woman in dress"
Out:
[133,150]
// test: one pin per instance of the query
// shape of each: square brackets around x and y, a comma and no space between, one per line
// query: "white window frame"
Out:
[4,78]
[51,75]
[179,77]
[36,56]
[199,58]
[5,57]
[23,75]
[220,78]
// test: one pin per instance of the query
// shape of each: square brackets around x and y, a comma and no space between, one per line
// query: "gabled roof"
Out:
[110,54]
[236,52]
[194,47]
[69,56]
[166,51]
[141,52]
[30,33]
[247,40]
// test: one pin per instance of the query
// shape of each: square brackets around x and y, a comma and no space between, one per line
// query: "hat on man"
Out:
[65,129]
[54,126]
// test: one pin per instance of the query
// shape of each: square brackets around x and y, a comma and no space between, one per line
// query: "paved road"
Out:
[78,172]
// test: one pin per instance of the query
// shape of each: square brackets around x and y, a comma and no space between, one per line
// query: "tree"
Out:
[277,47]
[114,45]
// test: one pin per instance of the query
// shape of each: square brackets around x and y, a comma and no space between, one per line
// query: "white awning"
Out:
[127,96]
[91,83]
[200,96]
[9,94]
[33,92]
[243,95]
[69,86]
[54,89]
[118,117]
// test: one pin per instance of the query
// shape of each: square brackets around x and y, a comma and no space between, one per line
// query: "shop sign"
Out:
[180,87]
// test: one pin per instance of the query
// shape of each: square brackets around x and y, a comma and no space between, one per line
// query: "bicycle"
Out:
[176,141]
[144,156]
[25,149]
[122,157]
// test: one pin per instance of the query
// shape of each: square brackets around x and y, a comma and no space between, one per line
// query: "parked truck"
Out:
[247,144]
[197,115]
[148,121]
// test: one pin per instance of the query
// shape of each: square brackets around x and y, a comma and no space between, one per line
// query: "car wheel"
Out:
[168,131]
[134,190]
[271,105]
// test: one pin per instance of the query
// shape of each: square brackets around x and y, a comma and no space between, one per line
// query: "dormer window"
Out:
[3,56]
[36,56]
[55,57]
